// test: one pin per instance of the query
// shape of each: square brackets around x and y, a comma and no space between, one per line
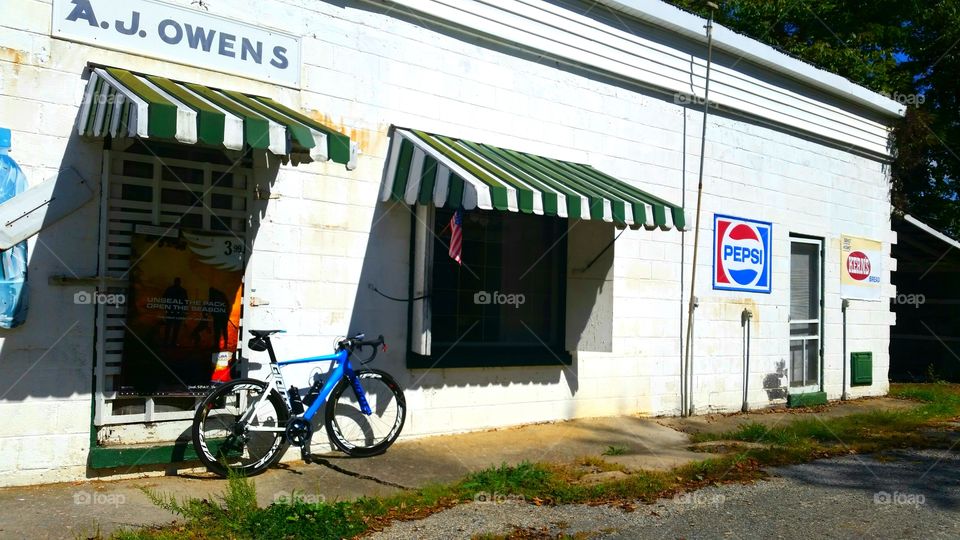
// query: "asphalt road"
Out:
[904,494]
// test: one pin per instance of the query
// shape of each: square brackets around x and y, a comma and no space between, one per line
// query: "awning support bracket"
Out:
[604,250]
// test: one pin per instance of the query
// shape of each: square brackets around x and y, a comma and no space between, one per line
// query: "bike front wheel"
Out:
[222,443]
[358,434]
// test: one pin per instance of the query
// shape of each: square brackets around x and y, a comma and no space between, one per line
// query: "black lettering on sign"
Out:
[82,10]
[280,58]
[134,25]
[226,45]
[248,49]
[197,36]
[170,24]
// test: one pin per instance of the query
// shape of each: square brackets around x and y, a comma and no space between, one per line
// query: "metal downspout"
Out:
[687,408]
[844,304]
[745,317]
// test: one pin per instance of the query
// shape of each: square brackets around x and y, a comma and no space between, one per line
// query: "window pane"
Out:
[804,281]
[227,202]
[508,290]
[796,362]
[137,169]
[813,362]
[804,362]
[132,192]
[187,221]
[181,197]
[185,175]
[223,179]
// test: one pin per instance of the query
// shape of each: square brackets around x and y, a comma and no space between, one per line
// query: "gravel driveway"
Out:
[905,494]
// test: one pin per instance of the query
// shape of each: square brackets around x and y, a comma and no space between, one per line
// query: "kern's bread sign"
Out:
[858,265]
[861,273]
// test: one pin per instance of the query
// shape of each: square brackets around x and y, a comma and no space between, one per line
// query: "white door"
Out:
[806,308]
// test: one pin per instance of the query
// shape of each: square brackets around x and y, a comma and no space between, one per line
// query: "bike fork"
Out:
[361,395]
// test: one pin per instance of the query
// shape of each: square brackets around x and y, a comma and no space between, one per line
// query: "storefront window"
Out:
[505,304]
[154,187]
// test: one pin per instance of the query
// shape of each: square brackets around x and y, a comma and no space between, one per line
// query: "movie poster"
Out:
[183,308]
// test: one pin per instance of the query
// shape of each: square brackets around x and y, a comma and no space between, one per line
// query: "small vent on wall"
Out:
[861,368]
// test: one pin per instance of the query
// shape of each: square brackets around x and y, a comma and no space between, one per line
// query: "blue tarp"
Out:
[13,262]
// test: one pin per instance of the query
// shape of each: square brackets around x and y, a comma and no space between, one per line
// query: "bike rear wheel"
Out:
[358,434]
[222,444]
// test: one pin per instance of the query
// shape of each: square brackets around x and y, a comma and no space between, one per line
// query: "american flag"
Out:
[456,236]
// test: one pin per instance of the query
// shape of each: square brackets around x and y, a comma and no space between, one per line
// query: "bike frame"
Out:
[341,368]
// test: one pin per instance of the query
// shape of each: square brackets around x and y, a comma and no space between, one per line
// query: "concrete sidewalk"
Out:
[78,509]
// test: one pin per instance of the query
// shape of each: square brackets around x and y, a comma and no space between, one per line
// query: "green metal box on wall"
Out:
[861,368]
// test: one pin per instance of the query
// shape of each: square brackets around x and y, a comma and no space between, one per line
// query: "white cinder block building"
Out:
[329,144]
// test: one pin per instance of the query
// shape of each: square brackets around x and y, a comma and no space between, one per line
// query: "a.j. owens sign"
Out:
[181,34]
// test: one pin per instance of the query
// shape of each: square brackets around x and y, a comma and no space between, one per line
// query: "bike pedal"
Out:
[305,453]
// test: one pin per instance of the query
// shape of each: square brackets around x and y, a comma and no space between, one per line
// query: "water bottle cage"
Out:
[313,393]
[296,404]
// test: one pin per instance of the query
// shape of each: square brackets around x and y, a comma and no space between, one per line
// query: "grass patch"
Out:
[615,450]
[863,432]
[235,513]
[598,463]
[525,478]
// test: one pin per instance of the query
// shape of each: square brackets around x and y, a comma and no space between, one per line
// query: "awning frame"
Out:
[121,103]
[434,169]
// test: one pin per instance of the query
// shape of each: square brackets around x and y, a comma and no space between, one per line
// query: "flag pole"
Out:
[687,376]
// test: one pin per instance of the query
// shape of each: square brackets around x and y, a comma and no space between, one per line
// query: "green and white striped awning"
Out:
[425,168]
[121,103]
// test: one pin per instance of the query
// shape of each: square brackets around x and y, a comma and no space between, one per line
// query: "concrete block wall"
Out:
[324,237]
[804,186]
[46,365]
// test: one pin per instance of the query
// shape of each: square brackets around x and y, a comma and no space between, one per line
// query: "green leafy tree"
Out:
[907,50]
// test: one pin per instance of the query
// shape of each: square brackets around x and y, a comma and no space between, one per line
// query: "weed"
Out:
[599,463]
[615,450]
[235,514]
[507,478]
[933,376]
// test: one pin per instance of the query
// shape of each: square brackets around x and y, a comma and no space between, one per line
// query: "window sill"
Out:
[472,357]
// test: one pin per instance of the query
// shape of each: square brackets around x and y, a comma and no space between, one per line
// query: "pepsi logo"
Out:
[858,265]
[741,254]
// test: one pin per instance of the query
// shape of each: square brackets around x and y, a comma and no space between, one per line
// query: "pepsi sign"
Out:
[741,254]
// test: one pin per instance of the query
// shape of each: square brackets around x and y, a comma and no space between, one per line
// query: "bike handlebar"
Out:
[357,343]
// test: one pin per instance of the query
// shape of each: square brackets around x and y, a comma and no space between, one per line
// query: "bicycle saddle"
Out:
[265,333]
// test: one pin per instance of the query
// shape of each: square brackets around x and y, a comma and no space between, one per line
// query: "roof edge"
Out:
[689,25]
[930,230]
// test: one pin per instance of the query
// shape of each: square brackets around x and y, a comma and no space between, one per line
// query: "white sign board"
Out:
[37,208]
[861,268]
[182,35]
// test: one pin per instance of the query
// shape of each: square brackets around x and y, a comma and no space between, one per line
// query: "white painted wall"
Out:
[324,237]
[604,39]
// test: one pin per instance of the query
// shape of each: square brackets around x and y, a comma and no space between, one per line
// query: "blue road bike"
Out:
[246,425]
